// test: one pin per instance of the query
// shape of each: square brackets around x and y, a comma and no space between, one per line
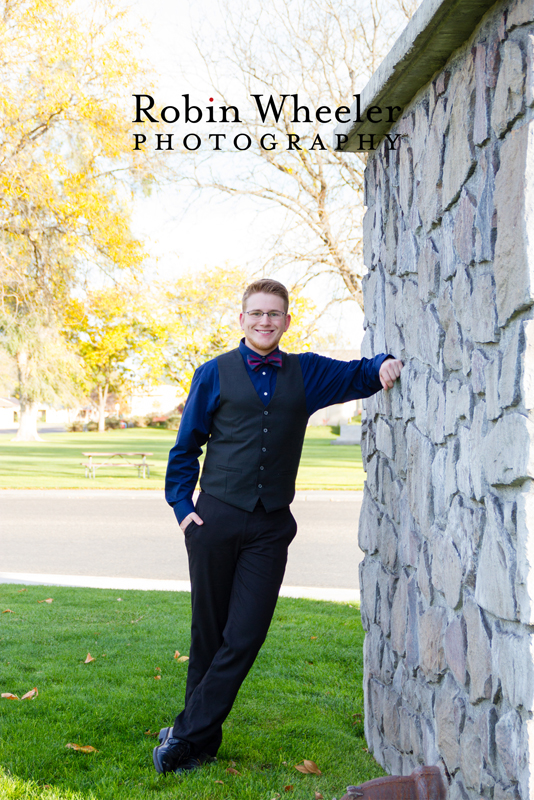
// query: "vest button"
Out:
[265,412]
[263,449]
[265,430]
[262,467]
[260,486]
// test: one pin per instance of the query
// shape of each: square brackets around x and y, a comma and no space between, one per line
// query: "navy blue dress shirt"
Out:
[326,382]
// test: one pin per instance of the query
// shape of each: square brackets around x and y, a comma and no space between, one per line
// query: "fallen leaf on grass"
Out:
[8,611]
[318,796]
[32,693]
[133,621]
[177,654]
[157,677]
[86,748]
[21,590]
[233,764]
[232,771]
[89,659]
[183,658]
[308,767]
[221,782]
[289,788]
[313,637]
[151,733]
[48,600]
[9,696]
[276,796]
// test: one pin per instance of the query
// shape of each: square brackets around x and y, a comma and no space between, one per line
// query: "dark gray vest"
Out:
[254,450]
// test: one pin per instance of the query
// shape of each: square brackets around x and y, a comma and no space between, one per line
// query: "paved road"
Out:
[133,534]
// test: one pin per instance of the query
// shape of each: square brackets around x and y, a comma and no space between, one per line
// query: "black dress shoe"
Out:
[171,753]
[203,758]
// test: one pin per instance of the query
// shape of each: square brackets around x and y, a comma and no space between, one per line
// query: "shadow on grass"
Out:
[302,699]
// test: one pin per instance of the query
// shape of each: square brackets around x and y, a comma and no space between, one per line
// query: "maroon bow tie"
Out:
[255,362]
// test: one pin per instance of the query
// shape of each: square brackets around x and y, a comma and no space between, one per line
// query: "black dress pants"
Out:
[237,561]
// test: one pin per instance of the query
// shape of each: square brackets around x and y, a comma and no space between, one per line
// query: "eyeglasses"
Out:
[270,314]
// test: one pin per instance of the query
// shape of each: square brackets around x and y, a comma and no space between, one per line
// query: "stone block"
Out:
[476,438]
[387,668]
[512,347]
[494,590]
[459,159]
[428,271]
[491,379]
[463,467]
[461,298]
[386,588]
[505,792]
[478,378]
[484,222]
[436,411]
[451,482]
[391,721]
[384,438]
[465,402]
[450,713]
[455,649]
[439,471]
[478,653]
[431,754]
[507,739]
[508,451]
[412,627]
[480,126]
[447,570]
[399,436]
[471,756]
[409,538]
[427,339]
[452,345]
[420,399]
[451,402]
[419,476]
[405,177]
[464,229]
[513,658]
[457,790]
[508,98]
[447,252]
[369,571]
[514,188]
[373,650]
[423,574]
[521,12]
[399,616]
[387,543]
[369,524]
[528,368]
[529,80]
[406,253]
[431,629]
[483,309]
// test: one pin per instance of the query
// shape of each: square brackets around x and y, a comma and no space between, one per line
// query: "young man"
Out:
[251,405]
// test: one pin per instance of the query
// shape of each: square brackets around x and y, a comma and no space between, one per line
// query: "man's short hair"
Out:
[267,286]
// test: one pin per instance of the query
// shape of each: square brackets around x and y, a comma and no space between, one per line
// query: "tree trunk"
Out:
[102,397]
[27,431]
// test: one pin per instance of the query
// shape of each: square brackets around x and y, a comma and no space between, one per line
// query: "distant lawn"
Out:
[301,700]
[56,463]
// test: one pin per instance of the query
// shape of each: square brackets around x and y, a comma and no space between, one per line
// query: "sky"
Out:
[189,233]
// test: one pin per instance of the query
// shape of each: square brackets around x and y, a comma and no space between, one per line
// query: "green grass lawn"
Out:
[301,700]
[56,462]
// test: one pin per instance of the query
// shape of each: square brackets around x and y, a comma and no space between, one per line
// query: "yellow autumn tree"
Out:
[67,170]
[198,319]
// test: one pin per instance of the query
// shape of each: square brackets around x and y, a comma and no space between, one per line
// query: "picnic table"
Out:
[91,466]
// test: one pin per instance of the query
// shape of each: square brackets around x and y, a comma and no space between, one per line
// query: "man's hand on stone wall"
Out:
[389,372]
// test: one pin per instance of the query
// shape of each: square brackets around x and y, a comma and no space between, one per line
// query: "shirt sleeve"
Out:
[328,381]
[183,467]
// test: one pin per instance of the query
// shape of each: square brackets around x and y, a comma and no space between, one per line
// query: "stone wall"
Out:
[447,522]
